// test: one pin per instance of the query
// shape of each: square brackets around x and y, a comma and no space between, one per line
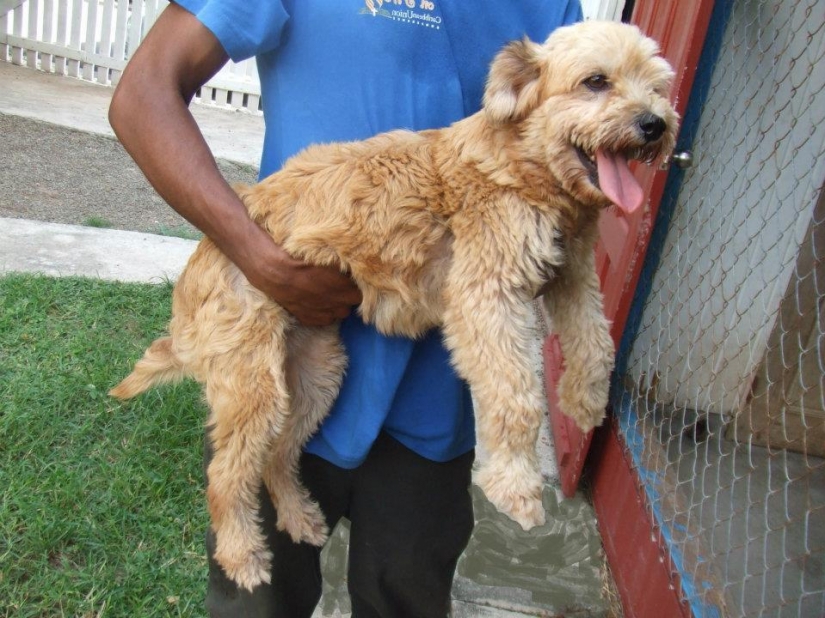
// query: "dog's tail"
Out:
[158,366]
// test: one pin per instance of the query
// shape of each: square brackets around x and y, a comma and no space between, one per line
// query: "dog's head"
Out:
[591,98]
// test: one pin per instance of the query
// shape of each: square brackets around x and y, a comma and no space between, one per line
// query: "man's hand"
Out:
[315,295]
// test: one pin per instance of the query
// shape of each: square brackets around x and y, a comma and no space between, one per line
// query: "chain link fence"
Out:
[722,402]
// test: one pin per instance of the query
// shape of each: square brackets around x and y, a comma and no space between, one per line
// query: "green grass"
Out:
[102,511]
[179,231]
[97,222]
[176,231]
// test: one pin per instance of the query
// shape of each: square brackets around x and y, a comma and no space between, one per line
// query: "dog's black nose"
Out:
[651,126]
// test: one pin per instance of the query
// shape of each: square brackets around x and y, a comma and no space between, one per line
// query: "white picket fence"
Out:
[93,39]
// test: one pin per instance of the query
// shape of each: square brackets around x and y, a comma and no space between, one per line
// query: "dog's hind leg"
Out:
[247,394]
[315,367]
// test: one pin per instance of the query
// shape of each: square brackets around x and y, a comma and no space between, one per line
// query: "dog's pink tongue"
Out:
[617,181]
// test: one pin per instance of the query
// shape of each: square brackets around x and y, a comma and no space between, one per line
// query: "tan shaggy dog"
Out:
[458,228]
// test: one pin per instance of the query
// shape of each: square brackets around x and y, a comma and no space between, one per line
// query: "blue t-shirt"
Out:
[337,70]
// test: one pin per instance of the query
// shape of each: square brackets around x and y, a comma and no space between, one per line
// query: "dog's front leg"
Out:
[576,310]
[488,332]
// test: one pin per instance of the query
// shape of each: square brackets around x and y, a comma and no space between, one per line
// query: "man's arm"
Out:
[150,115]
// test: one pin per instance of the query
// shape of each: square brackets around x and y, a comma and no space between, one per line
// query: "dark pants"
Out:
[410,520]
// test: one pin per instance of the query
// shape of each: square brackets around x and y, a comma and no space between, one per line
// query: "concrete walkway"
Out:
[232,135]
[59,250]
[555,570]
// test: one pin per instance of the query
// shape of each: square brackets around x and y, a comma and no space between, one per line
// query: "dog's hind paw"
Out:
[303,520]
[247,570]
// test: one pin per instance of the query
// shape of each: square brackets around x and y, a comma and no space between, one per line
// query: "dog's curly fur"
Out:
[459,228]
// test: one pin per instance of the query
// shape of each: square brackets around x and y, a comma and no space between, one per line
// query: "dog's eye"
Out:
[597,83]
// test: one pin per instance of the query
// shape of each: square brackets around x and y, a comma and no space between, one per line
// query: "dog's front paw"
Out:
[526,512]
[302,519]
[585,419]
[585,403]
[247,569]
[514,490]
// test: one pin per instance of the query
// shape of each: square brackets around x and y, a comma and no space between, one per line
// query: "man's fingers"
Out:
[314,318]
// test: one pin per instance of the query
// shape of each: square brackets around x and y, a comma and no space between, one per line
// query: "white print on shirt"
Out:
[418,12]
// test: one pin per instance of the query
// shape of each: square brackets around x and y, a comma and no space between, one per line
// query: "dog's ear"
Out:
[513,88]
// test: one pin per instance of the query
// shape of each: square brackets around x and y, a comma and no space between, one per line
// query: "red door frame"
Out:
[640,562]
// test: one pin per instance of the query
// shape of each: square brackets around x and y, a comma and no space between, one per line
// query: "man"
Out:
[395,454]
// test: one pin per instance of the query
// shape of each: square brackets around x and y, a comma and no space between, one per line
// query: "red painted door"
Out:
[680,29]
